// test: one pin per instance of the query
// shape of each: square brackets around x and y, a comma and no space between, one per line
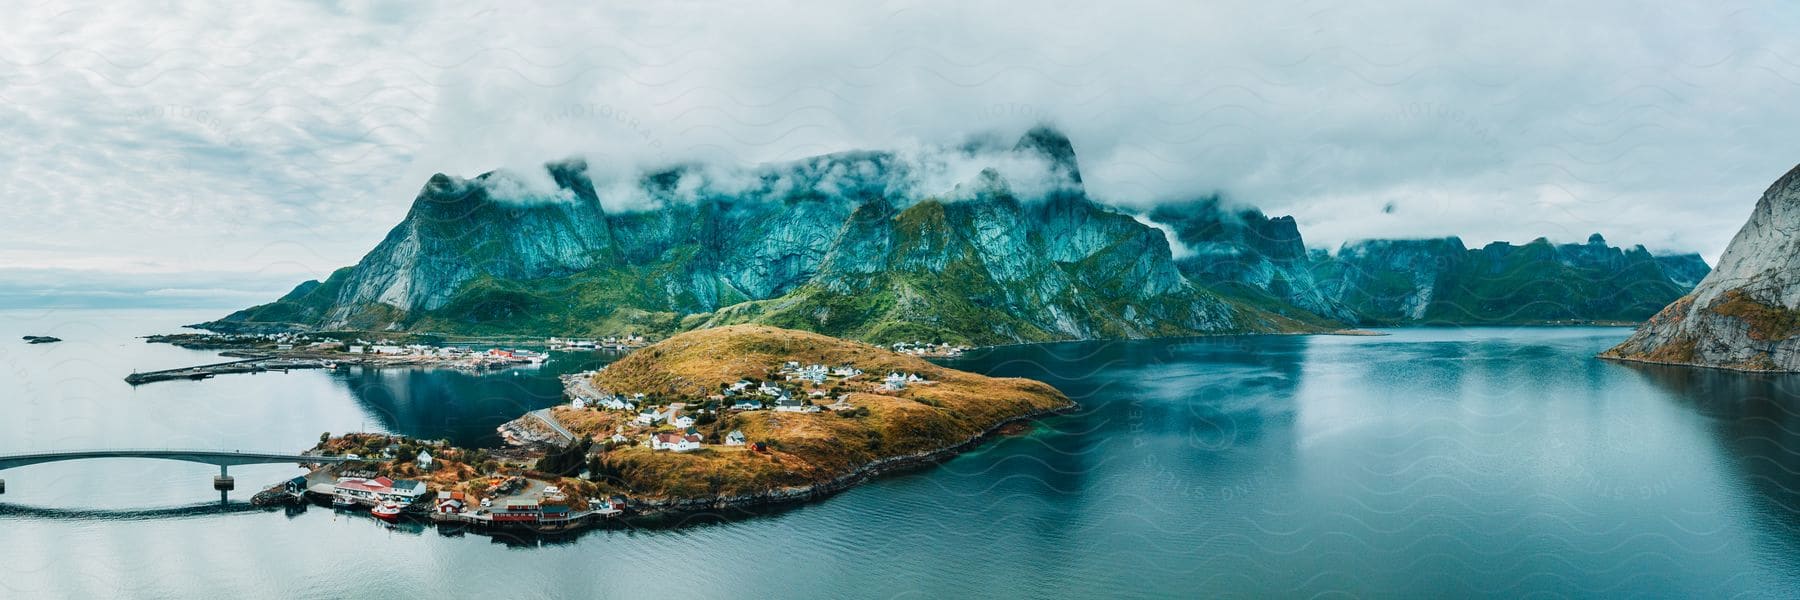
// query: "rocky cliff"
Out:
[1242,253]
[1440,281]
[853,244]
[1746,313]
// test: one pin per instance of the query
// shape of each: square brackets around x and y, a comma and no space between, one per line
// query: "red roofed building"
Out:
[379,489]
[675,441]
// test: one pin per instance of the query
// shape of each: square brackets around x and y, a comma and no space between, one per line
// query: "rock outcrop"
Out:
[1746,313]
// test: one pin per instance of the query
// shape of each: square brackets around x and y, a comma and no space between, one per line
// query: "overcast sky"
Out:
[223,151]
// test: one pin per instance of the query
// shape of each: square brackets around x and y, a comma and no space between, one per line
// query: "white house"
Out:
[747,404]
[578,403]
[651,416]
[379,489]
[683,421]
[735,438]
[792,405]
[425,463]
[893,383]
[768,389]
[677,442]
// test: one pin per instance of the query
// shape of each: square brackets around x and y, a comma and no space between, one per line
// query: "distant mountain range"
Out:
[1746,314]
[979,244]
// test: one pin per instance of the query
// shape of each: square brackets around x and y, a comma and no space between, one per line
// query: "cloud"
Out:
[295,138]
[1176,249]
[525,187]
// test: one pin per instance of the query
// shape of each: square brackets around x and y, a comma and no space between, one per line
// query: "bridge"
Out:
[223,458]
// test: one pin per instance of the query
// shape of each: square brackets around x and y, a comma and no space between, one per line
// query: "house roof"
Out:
[378,484]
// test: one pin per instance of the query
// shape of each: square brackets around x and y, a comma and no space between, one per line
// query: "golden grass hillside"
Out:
[801,448]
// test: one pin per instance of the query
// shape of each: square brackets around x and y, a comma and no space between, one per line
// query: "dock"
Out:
[248,365]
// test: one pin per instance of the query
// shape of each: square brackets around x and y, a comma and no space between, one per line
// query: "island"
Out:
[719,418]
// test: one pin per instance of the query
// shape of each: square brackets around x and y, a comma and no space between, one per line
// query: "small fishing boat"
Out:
[387,511]
[341,501]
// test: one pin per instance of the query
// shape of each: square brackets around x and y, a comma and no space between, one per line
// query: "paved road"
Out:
[543,414]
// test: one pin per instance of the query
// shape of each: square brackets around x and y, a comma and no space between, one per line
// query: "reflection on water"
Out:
[1756,420]
[1427,463]
[461,406]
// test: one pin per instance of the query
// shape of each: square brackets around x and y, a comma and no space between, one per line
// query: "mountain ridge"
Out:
[981,244]
[994,265]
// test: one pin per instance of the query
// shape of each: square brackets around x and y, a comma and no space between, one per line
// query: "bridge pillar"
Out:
[224,483]
[2,486]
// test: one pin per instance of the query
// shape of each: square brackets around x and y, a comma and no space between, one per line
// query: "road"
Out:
[543,414]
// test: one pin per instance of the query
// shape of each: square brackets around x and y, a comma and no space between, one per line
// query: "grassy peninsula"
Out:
[853,422]
[731,416]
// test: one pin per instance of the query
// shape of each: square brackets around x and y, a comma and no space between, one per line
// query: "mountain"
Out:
[1745,314]
[980,244]
[851,244]
[1242,253]
[1440,281]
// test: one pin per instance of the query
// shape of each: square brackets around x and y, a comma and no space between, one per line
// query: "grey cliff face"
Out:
[1395,279]
[1746,313]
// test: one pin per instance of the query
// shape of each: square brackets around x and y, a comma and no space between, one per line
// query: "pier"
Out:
[248,365]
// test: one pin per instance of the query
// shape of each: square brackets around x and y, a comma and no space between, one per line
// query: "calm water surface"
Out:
[1431,463]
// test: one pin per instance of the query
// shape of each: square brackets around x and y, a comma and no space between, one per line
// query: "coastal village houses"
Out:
[379,489]
[678,442]
[651,416]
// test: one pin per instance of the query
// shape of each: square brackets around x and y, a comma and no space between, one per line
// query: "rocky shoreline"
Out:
[1670,363]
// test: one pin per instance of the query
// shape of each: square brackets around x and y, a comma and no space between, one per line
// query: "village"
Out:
[395,478]
[292,350]
[551,485]
[673,424]
[928,349]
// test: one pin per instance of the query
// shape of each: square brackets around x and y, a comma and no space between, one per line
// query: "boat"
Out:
[342,501]
[387,511]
